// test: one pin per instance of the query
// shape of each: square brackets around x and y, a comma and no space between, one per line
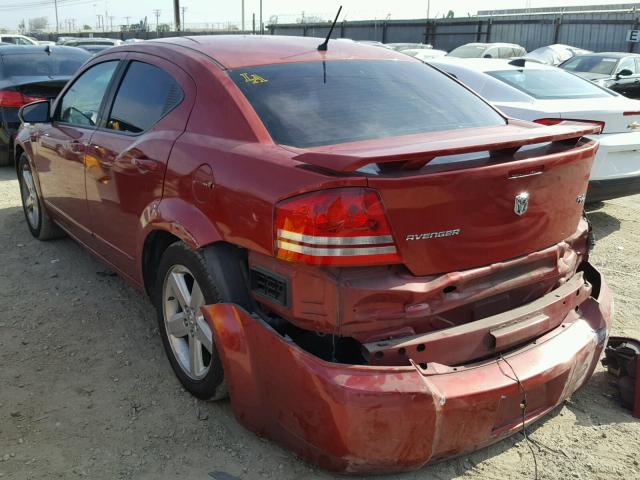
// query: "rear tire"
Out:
[184,282]
[38,220]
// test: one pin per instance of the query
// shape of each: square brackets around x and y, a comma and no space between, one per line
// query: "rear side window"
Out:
[320,103]
[146,94]
[40,64]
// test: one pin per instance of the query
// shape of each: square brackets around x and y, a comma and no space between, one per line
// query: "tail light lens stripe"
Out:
[315,240]
[335,252]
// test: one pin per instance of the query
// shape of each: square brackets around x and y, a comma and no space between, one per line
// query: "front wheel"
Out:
[40,224]
[184,284]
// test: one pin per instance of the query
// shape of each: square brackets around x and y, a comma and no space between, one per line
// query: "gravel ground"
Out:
[86,390]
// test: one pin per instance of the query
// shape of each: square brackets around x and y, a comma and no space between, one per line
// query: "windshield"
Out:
[321,103]
[40,64]
[549,84]
[591,64]
[468,51]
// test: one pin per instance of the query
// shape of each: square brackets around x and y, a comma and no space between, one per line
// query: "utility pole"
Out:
[184,25]
[428,8]
[243,16]
[127,19]
[55,2]
[261,25]
[156,12]
[253,21]
[111,17]
[176,14]
[99,21]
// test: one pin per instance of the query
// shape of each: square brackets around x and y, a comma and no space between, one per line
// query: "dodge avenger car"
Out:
[354,247]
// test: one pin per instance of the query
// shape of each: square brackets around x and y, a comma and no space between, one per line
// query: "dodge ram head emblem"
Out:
[521,204]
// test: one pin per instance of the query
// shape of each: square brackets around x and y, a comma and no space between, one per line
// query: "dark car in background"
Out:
[617,71]
[27,74]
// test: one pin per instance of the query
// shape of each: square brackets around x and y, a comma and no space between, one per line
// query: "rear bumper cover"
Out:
[378,419]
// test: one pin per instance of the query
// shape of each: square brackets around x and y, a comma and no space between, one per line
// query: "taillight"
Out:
[15,99]
[342,226]
[556,121]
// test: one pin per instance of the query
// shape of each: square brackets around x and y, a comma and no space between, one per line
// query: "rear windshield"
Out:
[39,64]
[321,103]
[602,65]
[468,51]
[549,84]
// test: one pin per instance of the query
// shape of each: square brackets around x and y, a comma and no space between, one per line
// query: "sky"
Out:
[216,11]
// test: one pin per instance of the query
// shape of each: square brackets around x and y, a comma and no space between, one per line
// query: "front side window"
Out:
[81,103]
[549,84]
[305,104]
[627,64]
[146,94]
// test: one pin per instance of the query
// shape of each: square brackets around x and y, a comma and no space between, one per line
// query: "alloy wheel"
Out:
[30,201]
[188,332]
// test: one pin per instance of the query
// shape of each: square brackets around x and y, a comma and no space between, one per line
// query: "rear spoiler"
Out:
[415,151]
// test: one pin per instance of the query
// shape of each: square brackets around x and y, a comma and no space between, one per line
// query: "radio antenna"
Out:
[323,46]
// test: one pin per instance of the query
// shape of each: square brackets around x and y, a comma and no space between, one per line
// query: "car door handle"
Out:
[145,164]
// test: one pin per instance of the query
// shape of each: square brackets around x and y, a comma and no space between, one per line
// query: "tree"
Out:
[450,14]
[86,27]
[38,23]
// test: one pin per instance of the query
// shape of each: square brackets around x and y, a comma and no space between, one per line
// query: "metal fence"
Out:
[599,30]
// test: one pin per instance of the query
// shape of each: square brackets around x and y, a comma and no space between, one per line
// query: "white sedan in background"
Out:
[424,54]
[549,95]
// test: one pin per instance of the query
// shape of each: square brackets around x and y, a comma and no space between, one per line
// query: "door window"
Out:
[627,64]
[81,103]
[146,94]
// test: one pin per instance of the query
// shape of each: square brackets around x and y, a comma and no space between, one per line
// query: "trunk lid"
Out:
[456,202]
[47,87]
[617,113]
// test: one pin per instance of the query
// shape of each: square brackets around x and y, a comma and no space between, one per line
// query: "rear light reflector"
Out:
[556,121]
[631,114]
[342,227]
[15,99]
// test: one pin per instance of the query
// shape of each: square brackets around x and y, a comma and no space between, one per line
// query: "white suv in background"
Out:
[549,95]
[17,39]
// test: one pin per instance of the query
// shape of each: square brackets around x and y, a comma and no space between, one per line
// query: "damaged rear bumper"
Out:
[377,419]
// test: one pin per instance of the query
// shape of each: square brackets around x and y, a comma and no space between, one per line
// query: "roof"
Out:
[491,44]
[11,49]
[610,54]
[234,51]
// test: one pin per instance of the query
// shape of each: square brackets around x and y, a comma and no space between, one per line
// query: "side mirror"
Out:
[36,112]
[487,55]
[624,73]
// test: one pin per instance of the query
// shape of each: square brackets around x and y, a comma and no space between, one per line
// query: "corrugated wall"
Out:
[598,31]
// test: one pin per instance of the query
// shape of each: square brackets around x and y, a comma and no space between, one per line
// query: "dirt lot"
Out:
[86,390]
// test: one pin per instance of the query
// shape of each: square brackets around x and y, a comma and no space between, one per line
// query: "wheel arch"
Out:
[173,220]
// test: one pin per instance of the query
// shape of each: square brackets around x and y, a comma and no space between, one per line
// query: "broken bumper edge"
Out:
[382,419]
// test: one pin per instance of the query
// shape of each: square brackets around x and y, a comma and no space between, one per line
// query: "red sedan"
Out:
[378,267]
